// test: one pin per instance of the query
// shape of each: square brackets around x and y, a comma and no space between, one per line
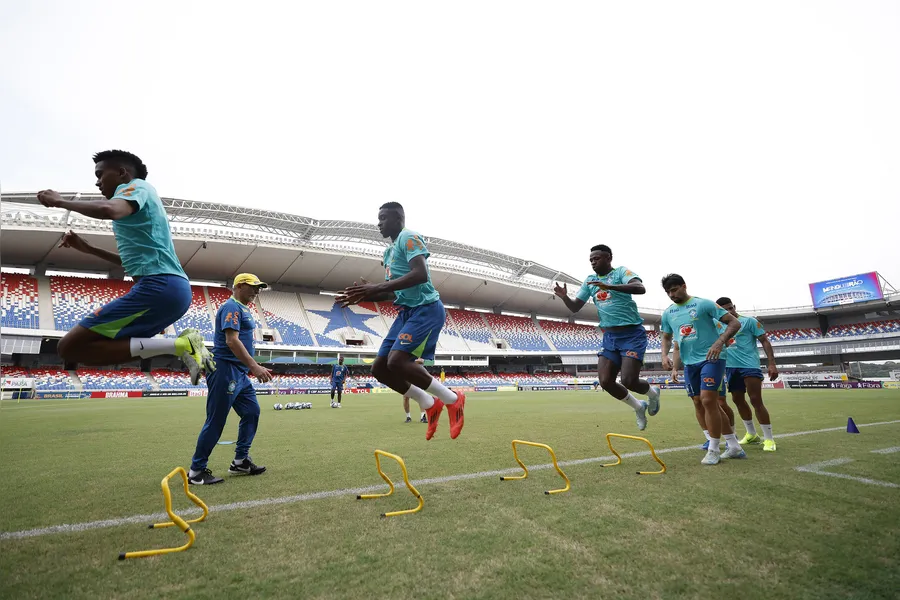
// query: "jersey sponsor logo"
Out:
[405,338]
[603,296]
[414,243]
[233,318]
[730,342]
[709,380]
[687,330]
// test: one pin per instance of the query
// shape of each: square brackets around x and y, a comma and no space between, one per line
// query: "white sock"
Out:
[714,445]
[421,396]
[731,441]
[750,428]
[193,473]
[441,391]
[632,401]
[408,416]
[423,414]
[148,348]
[706,433]
[767,431]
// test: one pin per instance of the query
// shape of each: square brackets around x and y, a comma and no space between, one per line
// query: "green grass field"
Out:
[743,529]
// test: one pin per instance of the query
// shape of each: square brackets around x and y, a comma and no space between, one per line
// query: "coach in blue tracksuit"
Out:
[230,386]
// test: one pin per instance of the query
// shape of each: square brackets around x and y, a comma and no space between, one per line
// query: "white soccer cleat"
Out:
[734,453]
[641,416]
[653,396]
[711,458]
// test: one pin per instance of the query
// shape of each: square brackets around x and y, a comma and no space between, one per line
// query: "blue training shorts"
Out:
[153,303]
[415,331]
[735,377]
[628,343]
[337,385]
[707,375]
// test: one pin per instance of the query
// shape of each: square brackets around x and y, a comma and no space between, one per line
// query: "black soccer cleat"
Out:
[424,419]
[245,467]
[204,477]
[408,420]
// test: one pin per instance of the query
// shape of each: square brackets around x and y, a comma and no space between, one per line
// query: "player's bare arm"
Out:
[563,292]
[770,355]
[418,274]
[676,363]
[733,326]
[108,210]
[634,287]
[76,242]
[666,345]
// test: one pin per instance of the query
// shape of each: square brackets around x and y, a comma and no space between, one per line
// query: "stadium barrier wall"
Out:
[835,385]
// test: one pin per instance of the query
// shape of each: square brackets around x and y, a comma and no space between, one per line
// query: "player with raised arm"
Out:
[338,374]
[692,323]
[423,418]
[743,373]
[414,333]
[124,329]
[624,337]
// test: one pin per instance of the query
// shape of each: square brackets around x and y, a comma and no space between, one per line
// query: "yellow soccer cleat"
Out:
[194,355]
[769,445]
[750,439]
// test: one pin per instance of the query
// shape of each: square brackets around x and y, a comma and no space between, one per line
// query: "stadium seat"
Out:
[49,378]
[197,316]
[518,332]
[284,314]
[572,336]
[471,327]
[105,379]
[19,304]
[73,298]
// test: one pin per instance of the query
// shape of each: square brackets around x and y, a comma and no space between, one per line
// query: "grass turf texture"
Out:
[750,529]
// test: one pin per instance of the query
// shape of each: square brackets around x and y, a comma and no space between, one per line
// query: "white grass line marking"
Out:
[146,519]
[818,469]
[887,450]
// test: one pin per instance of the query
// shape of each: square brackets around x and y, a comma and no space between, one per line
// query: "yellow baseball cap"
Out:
[249,279]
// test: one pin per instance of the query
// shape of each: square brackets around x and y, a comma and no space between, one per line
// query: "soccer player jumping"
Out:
[692,321]
[624,337]
[414,333]
[123,329]
[743,373]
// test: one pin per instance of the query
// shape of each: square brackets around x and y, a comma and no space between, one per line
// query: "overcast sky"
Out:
[751,147]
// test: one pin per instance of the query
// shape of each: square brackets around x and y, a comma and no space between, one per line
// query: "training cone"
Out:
[851,426]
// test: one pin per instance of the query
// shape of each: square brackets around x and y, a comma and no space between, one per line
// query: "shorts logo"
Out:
[631,354]
[687,330]
[231,386]
[603,296]
[709,380]
[405,338]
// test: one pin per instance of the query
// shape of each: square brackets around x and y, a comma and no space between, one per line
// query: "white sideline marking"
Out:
[151,518]
[818,469]
[887,450]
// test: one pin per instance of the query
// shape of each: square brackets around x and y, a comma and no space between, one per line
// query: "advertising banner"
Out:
[117,394]
[672,386]
[891,385]
[847,385]
[62,395]
[768,385]
[18,382]
[506,388]
[846,290]
[462,388]
[163,393]
[809,384]
[485,388]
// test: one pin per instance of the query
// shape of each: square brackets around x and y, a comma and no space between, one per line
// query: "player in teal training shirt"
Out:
[414,333]
[691,321]
[743,374]
[624,337]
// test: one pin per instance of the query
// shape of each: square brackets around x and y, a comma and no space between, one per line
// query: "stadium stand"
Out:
[519,332]
[793,335]
[284,313]
[197,315]
[175,380]
[219,296]
[19,304]
[104,379]
[73,298]
[49,378]
[327,319]
[471,327]
[365,319]
[14,372]
[571,336]
[871,328]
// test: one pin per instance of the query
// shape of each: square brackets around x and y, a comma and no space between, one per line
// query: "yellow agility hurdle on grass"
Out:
[176,520]
[524,468]
[640,439]
[415,492]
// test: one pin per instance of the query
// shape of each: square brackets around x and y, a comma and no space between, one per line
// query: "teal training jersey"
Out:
[743,354]
[693,324]
[615,309]
[408,245]
[143,237]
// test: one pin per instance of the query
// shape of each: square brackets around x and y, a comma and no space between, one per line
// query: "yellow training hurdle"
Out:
[524,468]
[176,520]
[640,439]
[415,492]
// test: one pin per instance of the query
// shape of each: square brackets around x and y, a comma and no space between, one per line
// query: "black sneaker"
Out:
[245,467]
[424,419]
[204,477]
[408,420]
